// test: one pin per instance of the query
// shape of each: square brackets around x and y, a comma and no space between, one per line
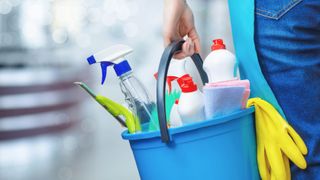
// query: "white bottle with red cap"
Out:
[176,69]
[175,119]
[220,64]
[191,105]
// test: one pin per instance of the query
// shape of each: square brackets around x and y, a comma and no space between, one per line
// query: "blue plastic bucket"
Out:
[223,148]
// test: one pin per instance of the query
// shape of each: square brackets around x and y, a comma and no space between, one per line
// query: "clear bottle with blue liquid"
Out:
[135,93]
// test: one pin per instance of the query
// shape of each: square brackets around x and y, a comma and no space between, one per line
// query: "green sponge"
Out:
[170,99]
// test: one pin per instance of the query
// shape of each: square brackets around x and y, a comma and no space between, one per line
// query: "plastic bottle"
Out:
[135,93]
[220,64]
[108,57]
[176,70]
[175,119]
[191,105]
[136,96]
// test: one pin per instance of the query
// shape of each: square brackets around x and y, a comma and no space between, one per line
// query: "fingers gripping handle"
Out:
[161,83]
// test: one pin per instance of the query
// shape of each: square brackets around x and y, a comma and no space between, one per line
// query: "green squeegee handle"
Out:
[166,57]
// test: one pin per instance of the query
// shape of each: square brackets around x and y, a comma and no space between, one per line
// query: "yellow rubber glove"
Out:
[267,151]
[276,140]
[287,168]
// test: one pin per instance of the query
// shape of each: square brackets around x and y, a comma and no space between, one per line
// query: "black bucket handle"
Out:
[166,57]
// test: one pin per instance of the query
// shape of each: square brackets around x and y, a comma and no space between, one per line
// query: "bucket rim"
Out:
[189,127]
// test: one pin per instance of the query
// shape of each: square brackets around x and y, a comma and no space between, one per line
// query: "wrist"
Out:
[175,2]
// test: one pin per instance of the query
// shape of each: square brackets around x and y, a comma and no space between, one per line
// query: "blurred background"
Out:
[50,129]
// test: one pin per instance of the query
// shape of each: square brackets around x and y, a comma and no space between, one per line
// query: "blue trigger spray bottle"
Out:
[136,96]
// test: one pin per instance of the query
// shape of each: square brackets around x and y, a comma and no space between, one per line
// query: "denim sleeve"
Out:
[287,39]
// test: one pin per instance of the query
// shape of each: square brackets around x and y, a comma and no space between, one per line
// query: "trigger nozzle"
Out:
[104,66]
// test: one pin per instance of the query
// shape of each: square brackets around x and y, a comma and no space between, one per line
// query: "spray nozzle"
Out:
[108,57]
[104,66]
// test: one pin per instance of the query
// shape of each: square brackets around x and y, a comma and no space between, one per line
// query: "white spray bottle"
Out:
[135,93]
[108,57]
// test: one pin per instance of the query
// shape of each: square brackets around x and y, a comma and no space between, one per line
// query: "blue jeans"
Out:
[287,38]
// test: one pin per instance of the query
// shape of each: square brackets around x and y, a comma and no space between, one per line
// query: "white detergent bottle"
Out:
[175,119]
[191,105]
[176,70]
[220,64]
[177,67]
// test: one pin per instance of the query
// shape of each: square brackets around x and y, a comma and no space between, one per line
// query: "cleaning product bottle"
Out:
[176,70]
[136,96]
[177,67]
[175,119]
[135,93]
[220,64]
[109,57]
[191,105]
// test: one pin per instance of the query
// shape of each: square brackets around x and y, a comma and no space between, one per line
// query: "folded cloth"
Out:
[219,101]
[245,98]
[233,83]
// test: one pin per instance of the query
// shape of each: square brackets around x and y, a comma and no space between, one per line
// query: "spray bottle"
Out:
[136,96]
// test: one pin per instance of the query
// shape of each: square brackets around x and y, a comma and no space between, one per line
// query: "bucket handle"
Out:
[166,57]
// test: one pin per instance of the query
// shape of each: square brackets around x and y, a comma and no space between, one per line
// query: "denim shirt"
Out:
[287,40]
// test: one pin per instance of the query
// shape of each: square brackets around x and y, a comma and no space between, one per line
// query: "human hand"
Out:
[178,23]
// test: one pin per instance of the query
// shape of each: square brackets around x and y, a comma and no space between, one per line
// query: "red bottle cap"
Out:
[189,87]
[186,83]
[217,44]
[169,80]
[176,101]
[156,75]
[183,79]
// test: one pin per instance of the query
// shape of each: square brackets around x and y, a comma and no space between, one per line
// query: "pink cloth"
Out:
[244,83]
[245,98]
[235,83]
